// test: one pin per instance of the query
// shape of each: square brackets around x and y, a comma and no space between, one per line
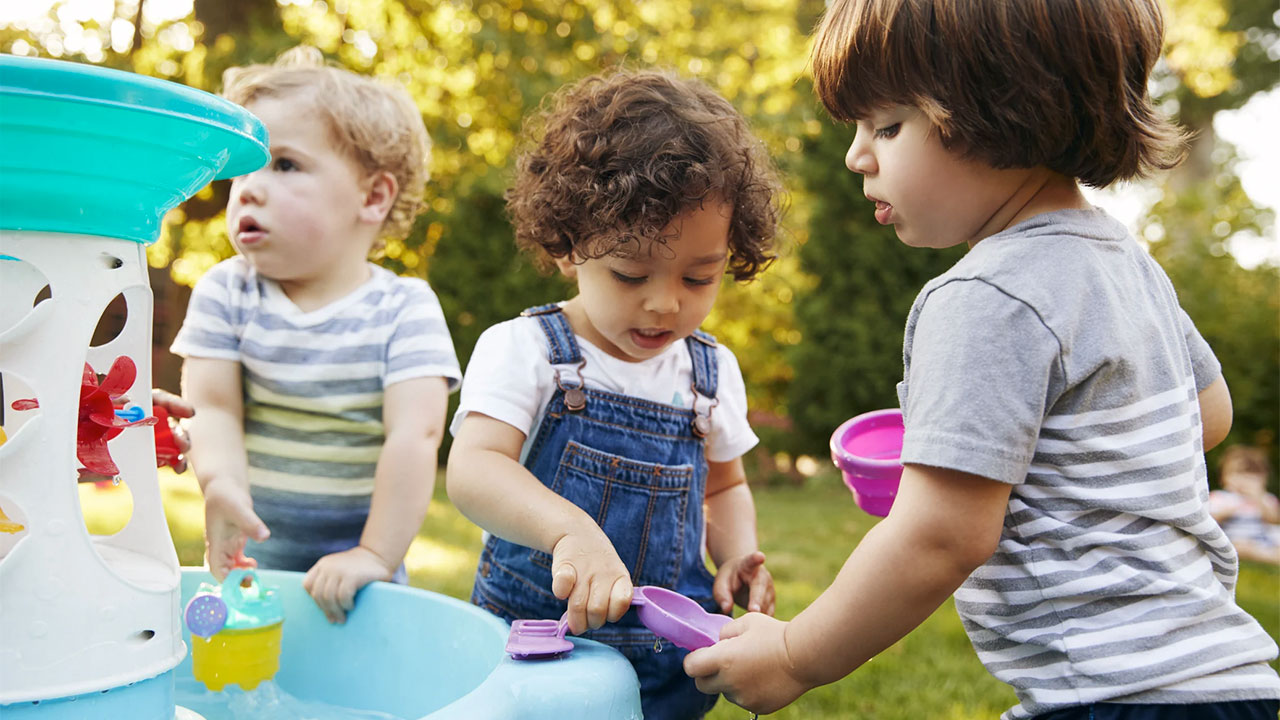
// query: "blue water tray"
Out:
[418,654]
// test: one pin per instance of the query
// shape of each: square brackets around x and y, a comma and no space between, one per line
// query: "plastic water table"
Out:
[90,161]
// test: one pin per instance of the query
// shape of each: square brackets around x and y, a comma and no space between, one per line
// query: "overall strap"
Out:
[706,374]
[560,339]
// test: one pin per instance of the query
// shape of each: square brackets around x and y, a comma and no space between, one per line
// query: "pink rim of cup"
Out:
[866,449]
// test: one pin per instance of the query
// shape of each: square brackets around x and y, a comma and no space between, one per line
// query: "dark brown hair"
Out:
[1021,83]
[617,156]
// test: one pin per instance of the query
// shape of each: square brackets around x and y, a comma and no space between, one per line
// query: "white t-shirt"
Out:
[510,378]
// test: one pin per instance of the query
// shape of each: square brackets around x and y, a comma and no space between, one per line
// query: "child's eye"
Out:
[888,131]
[700,281]
[628,279]
[284,164]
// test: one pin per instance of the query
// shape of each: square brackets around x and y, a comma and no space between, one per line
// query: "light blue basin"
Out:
[418,654]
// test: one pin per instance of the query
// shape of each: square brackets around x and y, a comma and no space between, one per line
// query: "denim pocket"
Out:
[641,506]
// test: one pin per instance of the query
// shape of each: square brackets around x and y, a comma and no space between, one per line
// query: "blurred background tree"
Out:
[818,336]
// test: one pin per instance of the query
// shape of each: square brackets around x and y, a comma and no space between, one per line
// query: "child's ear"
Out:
[380,194]
[567,266]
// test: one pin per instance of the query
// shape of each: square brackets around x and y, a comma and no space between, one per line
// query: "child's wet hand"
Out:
[746,581]
[750,665]
[229,522]
[592,580]
[336,578]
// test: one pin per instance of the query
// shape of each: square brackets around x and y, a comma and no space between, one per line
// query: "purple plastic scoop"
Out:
[677,619]
[666,613]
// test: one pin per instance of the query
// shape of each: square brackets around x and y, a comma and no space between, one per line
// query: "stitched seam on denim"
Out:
[669,576]
[634,466]
[633,401]
[538,557]
[539,310]
[499,567]
[564,347]
[705,377]
[672,490]
[678,557]
[687,437]
[541,559]
[547,427]
[648,522]
[605,493]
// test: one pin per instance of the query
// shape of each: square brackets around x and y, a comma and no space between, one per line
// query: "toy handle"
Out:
[234,587]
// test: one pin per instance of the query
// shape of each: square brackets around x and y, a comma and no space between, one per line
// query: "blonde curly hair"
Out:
[376,123]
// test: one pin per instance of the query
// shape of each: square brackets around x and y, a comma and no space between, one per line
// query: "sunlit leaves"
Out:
[1199,47]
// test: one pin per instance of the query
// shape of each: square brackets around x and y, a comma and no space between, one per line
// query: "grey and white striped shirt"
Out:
[313,381]
[1054,356]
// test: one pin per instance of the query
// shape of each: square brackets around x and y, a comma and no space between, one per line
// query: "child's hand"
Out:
[178,409]
[750,665]
[746,581]
[336,578]
[229,521]
[590,575]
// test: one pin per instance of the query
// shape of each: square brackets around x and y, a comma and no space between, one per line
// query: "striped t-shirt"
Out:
[1054,356]
[313,385]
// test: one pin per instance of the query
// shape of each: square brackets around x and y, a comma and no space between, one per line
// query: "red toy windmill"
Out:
[98,421]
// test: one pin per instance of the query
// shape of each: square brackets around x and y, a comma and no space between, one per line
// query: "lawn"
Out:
[807,532]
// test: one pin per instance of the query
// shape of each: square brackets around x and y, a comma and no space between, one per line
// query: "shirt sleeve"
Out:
[1204,364]
[420,344]
[731,434]
[211,328]
[981,368]
[508,378]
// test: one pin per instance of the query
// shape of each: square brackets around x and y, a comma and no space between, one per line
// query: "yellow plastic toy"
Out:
[9,526]
[236,629]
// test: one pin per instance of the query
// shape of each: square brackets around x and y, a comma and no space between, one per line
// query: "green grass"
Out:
[807,532]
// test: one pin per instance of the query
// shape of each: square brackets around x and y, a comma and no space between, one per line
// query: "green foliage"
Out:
[1234,308]
[819,335]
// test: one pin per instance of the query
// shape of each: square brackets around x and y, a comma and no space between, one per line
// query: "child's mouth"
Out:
[884,211]
[650,339]
[248,232]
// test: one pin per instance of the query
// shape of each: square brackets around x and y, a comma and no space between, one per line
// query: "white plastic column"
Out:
[78,613]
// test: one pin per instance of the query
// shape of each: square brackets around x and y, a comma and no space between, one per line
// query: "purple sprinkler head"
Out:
[205,615]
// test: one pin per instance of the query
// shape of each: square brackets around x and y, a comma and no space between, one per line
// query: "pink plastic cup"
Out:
[866,449]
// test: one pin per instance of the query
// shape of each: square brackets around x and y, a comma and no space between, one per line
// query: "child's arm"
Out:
[488,484]
[1215,412]
[731,539]
[943,525]
[413,414]
[220,461]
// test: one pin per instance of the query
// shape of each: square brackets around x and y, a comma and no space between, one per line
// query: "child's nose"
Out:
[662,300]
[249,189]
[859,158]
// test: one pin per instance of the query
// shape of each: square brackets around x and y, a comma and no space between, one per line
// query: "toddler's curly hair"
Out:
[617,156]
[377,124]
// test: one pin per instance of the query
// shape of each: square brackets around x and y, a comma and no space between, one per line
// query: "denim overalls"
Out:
[637,467]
